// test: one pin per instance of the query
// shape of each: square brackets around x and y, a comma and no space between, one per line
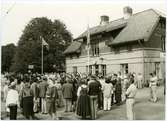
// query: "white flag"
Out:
[44,43]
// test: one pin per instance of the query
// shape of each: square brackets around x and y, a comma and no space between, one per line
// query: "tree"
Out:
[8,53]
[29,46]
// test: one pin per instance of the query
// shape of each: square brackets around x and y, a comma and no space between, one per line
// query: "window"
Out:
[129,47]
[104,70]
[95,49]
[90,69]
[117,50]
[157,68]
[124,68]
[75,69]
[108,41]
[163,43]
[71,57]
[163,25]
[96,70]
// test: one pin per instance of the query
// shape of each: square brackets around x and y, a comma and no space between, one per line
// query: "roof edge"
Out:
[156,11]
[115,44]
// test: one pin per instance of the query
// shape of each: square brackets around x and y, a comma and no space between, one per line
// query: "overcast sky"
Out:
[75,14]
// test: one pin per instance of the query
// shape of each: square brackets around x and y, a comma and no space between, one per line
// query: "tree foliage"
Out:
[8,52]
[28,52]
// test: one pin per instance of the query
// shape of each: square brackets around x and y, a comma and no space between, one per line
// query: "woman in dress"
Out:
[83,104]
[74,94]
[118,91]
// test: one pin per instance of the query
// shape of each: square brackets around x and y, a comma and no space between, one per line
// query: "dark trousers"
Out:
[100,100]
[93,104]
[13,112]
[112,99]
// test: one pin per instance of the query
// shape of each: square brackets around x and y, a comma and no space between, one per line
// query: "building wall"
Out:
[134,58]
[151,58]
[111,59]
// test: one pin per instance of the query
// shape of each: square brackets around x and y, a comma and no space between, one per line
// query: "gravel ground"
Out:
[144,110]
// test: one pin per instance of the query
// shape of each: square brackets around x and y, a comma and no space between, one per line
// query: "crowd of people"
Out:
[79,93]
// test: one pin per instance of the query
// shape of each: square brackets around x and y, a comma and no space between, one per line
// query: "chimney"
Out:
[127,12]
[104,20]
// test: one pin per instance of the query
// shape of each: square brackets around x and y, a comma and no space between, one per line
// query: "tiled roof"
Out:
[116,24]
[138,26]
[75,45]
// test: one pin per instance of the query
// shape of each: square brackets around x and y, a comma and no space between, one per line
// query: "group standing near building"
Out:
[80,94]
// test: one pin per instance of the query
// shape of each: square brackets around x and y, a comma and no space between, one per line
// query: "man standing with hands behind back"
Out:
[130,99]
[67,90]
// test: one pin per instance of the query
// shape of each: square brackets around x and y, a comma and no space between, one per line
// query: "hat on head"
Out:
[12,85]
[44,78]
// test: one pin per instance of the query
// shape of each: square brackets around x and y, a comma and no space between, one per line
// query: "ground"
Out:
[144,110]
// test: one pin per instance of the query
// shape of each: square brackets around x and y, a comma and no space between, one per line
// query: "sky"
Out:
[16,14]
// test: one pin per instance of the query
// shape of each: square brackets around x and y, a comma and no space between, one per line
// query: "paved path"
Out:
[144,110]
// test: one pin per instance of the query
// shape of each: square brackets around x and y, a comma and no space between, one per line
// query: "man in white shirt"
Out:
[130,99]
[107,89]
[153,87]
[12,101]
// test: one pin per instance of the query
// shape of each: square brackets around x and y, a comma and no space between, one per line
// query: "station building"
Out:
[133,43]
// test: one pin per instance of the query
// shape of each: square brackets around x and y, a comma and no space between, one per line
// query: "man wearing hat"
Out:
[12,101]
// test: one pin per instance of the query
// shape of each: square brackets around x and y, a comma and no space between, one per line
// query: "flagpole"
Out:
[88,46]
[42,58]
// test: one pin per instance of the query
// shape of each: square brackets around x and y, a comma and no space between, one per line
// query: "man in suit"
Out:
[35,91]
[67,90]
[94,89]
[42,94]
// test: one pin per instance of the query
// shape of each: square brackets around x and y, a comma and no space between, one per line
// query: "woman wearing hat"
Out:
[12,101]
